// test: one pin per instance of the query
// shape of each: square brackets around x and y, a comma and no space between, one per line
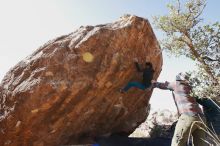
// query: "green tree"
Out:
[186,34]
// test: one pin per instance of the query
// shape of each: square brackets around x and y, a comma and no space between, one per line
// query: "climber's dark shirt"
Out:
[147,74]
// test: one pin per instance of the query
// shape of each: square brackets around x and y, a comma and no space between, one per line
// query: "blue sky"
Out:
[27,24]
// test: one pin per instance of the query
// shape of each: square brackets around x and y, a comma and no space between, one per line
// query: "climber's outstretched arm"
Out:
[164,86]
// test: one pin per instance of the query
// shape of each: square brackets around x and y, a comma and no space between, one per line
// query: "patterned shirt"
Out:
[185,103]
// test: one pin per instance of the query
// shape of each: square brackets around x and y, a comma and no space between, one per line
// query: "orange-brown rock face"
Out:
[54,97]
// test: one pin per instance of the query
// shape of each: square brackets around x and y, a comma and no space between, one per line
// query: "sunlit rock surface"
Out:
[54,97]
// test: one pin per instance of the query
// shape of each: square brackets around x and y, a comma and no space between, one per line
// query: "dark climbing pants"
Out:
[135,84]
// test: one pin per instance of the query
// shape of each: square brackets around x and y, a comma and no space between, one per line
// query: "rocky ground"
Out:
[158,124]
[126,141]
[157,130]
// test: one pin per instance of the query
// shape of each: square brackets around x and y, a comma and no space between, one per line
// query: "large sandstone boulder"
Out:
[54,97]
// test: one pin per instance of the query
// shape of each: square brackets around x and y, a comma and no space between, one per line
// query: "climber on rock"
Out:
[191,119]
[147,77]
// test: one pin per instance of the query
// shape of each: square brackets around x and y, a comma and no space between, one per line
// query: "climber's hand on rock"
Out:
[153,82]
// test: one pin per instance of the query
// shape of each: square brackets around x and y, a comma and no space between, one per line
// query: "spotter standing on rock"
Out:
[191,117]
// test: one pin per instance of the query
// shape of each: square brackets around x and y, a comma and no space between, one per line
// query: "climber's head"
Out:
[149,65]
